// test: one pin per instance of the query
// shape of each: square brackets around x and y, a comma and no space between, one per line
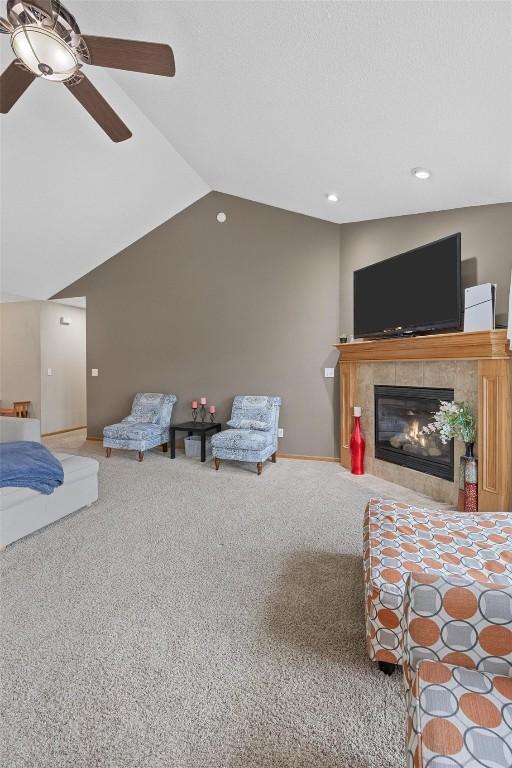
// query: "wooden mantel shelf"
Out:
[479,345]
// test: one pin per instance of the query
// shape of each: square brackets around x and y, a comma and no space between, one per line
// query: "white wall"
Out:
[20,354]
[88,198]
[33,340]
[63,394]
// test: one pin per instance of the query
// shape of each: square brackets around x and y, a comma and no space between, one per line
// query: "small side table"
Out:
[193,428]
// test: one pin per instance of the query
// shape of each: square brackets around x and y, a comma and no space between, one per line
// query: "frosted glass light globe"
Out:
[44,52]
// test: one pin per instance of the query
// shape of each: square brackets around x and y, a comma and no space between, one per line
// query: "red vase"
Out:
[357,444]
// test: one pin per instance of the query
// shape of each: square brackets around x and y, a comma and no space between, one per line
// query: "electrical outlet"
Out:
[329,373]
[94,372]
[50,371]
[280,432]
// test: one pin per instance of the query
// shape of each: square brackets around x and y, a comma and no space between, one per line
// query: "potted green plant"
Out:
[456,420]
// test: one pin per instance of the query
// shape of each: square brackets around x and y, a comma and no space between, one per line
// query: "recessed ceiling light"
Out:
[221,217]
[421,173]
[332,198]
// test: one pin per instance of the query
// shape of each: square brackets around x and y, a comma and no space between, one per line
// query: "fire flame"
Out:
[415,434]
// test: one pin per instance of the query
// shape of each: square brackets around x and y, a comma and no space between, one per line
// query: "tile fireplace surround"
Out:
[477,366]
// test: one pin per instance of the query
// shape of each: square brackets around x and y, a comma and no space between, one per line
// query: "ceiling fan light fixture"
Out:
[48,43]
[44,53]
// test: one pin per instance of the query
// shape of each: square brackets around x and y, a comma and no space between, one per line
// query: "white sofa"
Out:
[22,510]
[12,429]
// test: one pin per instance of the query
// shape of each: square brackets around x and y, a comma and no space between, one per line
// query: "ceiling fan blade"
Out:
[13,84]
[99,109]
[6,26]
[136,56]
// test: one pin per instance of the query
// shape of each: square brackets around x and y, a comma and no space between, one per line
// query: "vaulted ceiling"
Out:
[279,102]
[70,197]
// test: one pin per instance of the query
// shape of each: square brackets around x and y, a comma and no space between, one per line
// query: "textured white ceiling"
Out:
[279,102]
[73,301]
[8,298]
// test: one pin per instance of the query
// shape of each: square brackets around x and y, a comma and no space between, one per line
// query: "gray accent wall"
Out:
[198,308]
[486,248]
[253,305]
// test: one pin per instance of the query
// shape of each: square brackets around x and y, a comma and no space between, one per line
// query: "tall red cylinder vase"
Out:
[357,444]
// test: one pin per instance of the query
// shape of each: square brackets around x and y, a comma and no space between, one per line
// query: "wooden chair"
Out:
[20,408]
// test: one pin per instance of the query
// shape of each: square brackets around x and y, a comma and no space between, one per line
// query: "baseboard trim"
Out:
[304,457]
[63,431]
[94,439]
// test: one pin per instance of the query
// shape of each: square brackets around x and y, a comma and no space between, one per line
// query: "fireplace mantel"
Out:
[493,368]
[479,345]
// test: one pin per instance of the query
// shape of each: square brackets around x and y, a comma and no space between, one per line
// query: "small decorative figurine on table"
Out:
[194,410]
[211,410]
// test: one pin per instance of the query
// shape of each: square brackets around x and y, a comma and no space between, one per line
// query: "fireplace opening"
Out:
[400,415]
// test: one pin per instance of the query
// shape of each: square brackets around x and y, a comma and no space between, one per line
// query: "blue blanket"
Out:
[25,464]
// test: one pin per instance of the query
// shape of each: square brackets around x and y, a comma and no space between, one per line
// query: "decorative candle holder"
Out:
[212,417]
[203,412]
[194,415]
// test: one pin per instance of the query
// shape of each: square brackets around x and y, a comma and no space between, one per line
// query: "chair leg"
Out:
[108,451]
[165,447]
[259,467]
[141,455]
[274,457]
[217,463]
[387,667]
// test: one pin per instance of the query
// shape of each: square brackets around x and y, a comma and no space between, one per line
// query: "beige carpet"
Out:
[194,618]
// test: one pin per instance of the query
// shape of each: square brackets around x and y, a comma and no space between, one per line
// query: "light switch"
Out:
[94,371]
[50,371]
[329,373]
[280,432]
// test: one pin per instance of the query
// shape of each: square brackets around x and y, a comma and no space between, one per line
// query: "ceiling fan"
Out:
[48,43]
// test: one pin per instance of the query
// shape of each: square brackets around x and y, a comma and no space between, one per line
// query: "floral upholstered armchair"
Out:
[146,427]
[253,431]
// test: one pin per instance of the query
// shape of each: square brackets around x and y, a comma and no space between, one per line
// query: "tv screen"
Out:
[417,291]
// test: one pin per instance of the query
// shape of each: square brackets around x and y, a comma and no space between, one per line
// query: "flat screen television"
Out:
[419,291]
